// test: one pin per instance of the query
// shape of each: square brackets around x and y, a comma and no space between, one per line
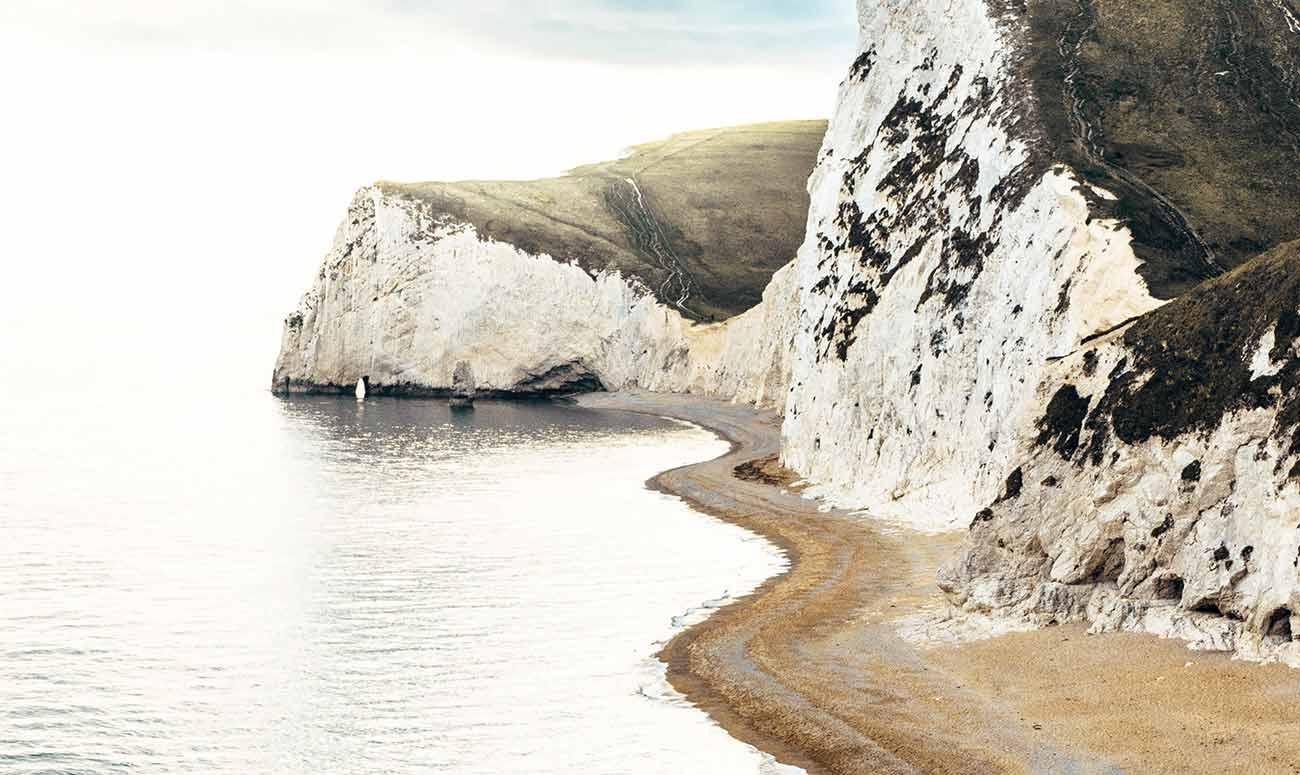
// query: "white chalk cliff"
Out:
[954,342]
[944,266]
[1160,490]
[406,293]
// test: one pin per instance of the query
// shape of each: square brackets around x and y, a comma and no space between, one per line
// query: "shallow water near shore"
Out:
[251,584]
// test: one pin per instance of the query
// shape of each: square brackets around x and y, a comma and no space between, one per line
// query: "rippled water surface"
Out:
[255,585]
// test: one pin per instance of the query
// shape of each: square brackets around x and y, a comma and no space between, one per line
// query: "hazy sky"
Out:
[174,169]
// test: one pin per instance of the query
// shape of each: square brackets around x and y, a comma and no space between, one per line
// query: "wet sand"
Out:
[811,667]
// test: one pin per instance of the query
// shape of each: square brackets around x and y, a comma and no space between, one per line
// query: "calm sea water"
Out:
[245,584]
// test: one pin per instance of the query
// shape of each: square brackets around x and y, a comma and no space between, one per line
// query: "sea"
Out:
[238,583]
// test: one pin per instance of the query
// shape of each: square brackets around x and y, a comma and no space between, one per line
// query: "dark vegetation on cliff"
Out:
[712,215]
[1188,110]
[1190,361]
[1181,371]
[929,167]
[1189,364]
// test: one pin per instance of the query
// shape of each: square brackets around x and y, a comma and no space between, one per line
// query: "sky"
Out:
[174,170]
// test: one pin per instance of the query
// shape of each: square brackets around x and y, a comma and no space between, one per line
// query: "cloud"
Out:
[285,25]
[655,32]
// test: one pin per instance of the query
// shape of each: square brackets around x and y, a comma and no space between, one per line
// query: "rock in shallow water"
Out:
[462,387]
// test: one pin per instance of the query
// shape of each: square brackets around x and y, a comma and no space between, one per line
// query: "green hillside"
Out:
[704,218]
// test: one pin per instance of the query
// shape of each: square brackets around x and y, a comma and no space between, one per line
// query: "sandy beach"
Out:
[812,668]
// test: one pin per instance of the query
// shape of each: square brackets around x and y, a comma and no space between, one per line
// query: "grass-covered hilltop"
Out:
[1188,111]
[703,218]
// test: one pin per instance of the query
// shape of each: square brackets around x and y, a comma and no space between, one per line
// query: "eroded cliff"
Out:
[948,259]
[1150,481]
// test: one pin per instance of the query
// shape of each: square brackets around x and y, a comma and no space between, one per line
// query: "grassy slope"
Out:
[1197,99]
[731,204]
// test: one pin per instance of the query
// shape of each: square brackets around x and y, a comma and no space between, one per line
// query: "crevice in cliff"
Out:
[1168,588]
[1063,422]
[1110,565]
[1278,626]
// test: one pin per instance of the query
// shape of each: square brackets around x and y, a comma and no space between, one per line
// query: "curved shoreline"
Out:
[778,668]
[811,666]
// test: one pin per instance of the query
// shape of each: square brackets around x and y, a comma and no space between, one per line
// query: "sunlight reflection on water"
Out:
[257,585]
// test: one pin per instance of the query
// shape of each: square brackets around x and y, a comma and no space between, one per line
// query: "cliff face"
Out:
[602,279]
[1162,489]
[946,262]
[1151,481]
[1005,187]
[407,292]
[1001,183]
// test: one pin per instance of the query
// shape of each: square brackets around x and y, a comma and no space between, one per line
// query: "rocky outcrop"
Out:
[462,386]
[1162,490]
[606,278]
[407,292]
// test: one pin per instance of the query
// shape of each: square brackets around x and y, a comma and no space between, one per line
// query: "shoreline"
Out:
[770,667]
[675,655]
[811,668]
